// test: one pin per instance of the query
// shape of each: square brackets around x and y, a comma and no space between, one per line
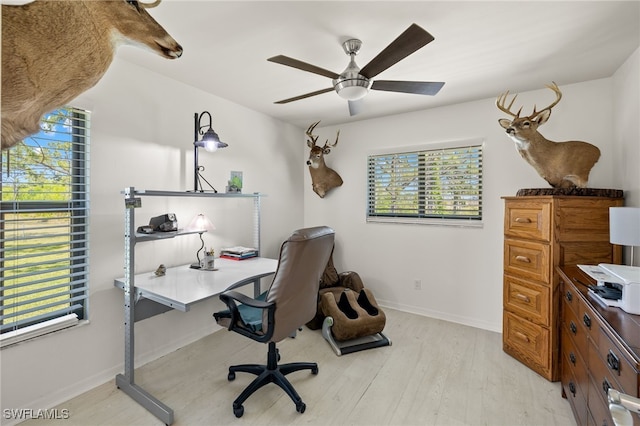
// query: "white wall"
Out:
[460,268]
[626,133]
[141,135]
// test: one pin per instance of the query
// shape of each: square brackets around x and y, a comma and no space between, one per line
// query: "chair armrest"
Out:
[231,296]
[236,322]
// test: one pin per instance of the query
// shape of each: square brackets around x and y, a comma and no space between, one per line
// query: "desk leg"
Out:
[126,381]
[256,288]
[148,401]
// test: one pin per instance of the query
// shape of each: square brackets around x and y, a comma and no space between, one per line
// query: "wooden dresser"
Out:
[600,350]
[540,233]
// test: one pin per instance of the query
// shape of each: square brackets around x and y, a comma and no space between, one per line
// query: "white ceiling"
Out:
[480,49]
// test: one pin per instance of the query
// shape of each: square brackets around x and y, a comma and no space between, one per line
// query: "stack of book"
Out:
[238,253]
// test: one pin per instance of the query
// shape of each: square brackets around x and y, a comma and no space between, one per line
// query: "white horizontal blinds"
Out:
[441,183]
[44,222]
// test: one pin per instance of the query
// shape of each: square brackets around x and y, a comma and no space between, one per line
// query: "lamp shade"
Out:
[624,226]
[211,141]
[200,223]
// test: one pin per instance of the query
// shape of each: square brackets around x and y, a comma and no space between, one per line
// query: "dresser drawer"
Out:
[573,360]
[527,341]
[597,406]
[527,259]
[530,220]
[570,296]
[527,299]
[618,366]
[575,395]
[576,330]
[589,321]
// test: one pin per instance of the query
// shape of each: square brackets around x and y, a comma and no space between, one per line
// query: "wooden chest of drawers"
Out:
[600,350]
[540,233]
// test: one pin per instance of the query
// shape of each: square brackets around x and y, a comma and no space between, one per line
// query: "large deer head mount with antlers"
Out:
[323,178]
[52,51]
[561,164]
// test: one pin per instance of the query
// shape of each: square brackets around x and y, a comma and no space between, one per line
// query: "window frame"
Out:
[424,217]
[75,210]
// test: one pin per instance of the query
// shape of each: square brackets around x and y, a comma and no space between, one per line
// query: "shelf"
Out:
[154,193]
[164,235]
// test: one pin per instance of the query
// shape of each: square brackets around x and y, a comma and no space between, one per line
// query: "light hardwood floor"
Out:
[435,373]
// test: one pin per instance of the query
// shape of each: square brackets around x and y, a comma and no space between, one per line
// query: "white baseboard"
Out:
[471,322]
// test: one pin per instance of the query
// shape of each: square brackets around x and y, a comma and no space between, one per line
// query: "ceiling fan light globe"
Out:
[352,89]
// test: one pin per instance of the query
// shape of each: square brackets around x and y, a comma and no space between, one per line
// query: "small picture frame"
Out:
[235,183]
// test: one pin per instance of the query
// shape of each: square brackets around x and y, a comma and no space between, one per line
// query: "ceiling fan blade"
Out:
[294,63]
[306,95]
[355,107]
[408,42]
[415,87]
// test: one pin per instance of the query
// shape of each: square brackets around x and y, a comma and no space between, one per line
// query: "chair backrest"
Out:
[303,257]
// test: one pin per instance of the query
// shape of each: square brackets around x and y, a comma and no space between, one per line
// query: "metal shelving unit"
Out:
[133,200]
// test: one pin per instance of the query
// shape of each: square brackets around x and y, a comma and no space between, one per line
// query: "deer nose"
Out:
[511,130]
[308,162]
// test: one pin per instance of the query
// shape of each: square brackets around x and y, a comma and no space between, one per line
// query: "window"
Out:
[44,226]
[441,185]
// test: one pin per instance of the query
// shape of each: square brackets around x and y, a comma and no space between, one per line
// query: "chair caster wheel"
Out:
[231,376]
[238,411]
[314,370]
[300,407]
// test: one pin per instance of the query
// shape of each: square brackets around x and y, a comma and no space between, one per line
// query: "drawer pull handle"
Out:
[606,386]
[586,320]
[613,362]
[523,220]
[572,388]
[572,358]
[569,296]
[524,259]
[573,328]
[522,337]
[523,297]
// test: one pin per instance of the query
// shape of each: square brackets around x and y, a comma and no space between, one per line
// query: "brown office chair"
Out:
[290,302]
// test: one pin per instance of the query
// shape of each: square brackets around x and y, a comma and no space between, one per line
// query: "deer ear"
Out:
[505,123]
[542,116]
[310,144]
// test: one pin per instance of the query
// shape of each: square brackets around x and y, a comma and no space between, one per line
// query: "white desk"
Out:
[182,286]
[178,289]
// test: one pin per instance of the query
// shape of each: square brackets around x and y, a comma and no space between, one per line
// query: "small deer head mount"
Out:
[323,178]
[561,164]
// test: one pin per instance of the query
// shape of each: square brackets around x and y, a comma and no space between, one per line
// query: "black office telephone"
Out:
[164,223]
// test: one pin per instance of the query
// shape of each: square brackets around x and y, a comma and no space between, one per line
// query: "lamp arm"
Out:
[201,247]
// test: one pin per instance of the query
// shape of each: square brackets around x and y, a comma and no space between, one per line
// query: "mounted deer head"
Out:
[561,164]
[323,178]
[52,51]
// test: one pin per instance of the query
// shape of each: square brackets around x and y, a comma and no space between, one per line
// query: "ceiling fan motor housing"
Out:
[351,85]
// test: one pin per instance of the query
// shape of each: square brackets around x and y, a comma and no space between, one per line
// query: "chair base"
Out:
[270,373]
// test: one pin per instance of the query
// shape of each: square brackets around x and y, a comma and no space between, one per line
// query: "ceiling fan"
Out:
[354,83]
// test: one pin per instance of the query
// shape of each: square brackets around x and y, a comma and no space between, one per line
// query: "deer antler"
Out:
[553,86]
[150,5]
[309,132]
[507,110]
[326,144]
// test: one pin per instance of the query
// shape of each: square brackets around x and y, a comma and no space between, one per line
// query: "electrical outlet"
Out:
[417,285]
